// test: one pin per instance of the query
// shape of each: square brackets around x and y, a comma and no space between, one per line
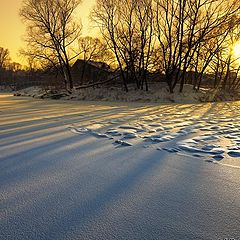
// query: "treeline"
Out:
[15,76]
[139,37]
[8,69]
[172,37]
[6,63]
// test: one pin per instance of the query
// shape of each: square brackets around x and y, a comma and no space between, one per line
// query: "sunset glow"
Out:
[236,50]
[12,29]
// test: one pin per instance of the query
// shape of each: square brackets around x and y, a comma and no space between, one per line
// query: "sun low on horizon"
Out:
[12,28]
[236,50]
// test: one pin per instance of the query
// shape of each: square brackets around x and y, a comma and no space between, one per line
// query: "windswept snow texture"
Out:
[86,170]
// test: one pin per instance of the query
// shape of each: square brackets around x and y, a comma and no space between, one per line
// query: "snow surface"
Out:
[158,93]
[88,170]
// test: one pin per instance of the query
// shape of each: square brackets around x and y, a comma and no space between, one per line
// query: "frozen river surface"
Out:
[86,170]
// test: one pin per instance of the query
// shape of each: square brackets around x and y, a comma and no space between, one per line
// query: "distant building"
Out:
[90,71]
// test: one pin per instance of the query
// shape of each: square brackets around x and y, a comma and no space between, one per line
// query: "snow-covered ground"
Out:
[156,93]
[88,170]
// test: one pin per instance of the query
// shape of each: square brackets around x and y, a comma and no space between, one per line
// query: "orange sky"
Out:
[12,29]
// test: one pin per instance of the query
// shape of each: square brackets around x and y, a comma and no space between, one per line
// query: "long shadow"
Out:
[66,114]
[20,140]
[23,157]
[32,129]
[45,160]
[83,211]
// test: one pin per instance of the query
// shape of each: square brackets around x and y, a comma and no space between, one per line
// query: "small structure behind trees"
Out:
[88,72]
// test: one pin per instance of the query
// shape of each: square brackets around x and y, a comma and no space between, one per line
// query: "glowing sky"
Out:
[12,29]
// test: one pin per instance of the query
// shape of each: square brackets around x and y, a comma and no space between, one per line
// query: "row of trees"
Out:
[11,72]
[5,61]
[171,37]
[4,58]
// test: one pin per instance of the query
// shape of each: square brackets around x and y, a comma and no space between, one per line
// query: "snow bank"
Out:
[38,92]
[4,89]
[157,93]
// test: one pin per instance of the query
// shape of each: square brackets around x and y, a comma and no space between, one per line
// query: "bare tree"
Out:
[184,27]
[4,57]
[106,16]
[92,49]
[145,26]
[52,32]
[127,27]
[225,65]
[14,67]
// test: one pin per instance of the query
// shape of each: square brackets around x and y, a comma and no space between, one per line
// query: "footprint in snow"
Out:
[130,135]
[170,150]
[122,143]
[113,133]
[78,130]
[155,125]
[218,157]
[100,135]
[89,131]
[161,139]
[234,154]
